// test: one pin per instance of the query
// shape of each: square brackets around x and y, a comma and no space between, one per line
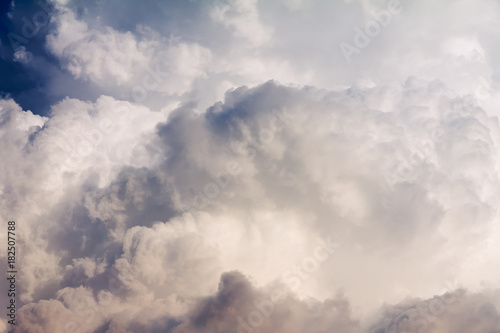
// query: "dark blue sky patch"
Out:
[18,29]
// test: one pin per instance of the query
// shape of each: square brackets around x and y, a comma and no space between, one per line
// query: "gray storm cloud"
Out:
[228,177]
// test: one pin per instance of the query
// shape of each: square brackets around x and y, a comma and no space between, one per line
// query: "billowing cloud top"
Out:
[251,166]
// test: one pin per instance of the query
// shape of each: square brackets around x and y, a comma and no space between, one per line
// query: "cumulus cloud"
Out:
[141,63]
[382,203]
[451,312]
[95,55]
[226,168]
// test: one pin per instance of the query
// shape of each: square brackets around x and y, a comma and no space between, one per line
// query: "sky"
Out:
[239,166]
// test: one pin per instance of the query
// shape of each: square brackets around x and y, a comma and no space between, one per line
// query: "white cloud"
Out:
[139,62]
[243,17]
[386,202]
[187,219]
[96,55]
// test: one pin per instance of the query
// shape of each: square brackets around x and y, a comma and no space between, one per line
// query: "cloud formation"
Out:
[222,167]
